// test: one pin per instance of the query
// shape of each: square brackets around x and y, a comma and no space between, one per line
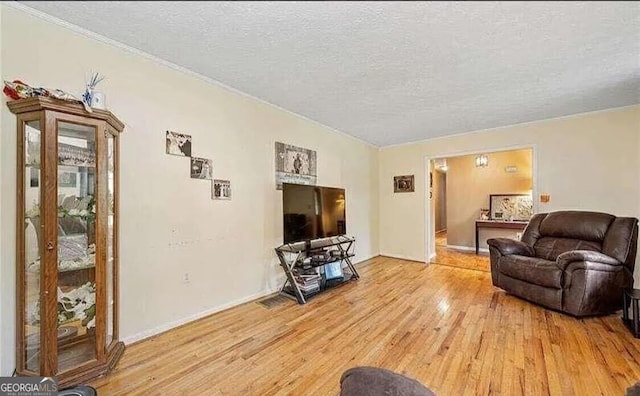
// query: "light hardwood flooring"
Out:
[447,327]
[441,238]
[458,258]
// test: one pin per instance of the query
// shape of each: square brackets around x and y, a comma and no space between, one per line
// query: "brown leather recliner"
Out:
[570,261]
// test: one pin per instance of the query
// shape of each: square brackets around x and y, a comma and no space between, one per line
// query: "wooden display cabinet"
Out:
[67,240]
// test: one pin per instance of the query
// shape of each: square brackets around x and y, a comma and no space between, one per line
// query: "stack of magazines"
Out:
[308,283]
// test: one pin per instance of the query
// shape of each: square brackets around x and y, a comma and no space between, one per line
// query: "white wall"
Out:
[169,224]
[585,162]
[5,309]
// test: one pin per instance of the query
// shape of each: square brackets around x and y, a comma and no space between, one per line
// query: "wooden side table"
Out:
[512,225]
[631,296]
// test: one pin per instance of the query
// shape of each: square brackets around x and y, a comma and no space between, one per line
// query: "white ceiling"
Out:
[392,73]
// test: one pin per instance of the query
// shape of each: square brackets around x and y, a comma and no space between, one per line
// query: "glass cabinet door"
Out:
[77,187]
[31,241]
[110,262]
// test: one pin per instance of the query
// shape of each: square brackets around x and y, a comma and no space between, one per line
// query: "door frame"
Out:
[430,251]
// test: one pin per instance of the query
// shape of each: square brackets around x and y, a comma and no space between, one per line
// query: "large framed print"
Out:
[510,207]
[295,165]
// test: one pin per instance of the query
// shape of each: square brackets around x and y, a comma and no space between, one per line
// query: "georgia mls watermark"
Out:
[28,386]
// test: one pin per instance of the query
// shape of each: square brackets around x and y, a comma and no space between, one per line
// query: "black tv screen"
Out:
[312,212]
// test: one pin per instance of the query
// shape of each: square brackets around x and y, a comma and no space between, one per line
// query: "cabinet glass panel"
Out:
[76,244]
[32,234]
[111,223]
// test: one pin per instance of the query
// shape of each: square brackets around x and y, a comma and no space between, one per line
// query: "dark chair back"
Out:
[551,234]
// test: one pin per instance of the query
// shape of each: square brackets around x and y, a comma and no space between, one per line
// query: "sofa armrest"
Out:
[595,260]
[510,246]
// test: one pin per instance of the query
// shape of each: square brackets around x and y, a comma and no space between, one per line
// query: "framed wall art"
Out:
[403,184]
[221,189]
[201,168]
[295,165]
[178,144]
[510,207]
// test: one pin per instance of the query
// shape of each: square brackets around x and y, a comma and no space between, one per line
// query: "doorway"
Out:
[462,188]
[439,196]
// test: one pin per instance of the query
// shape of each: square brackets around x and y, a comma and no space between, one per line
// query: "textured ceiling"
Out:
[392,73]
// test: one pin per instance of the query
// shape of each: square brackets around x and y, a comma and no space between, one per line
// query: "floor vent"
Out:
[274,301]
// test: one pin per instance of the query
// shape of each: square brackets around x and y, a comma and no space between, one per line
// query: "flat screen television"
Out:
[312,212]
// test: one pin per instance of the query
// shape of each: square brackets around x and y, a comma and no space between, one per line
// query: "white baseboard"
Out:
[432,256]
[402,257]
[468,248]
[361,259]
[168,326]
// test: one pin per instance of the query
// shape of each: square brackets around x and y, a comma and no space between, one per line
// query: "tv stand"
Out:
[304,264]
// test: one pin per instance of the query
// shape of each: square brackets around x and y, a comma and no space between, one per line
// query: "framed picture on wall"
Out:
[221,189]
[295,165]
[510,206]
[178,144]
[201,168]
[403,184]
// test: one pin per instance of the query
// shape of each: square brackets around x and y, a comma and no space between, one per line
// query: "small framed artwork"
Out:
[67,179]
[201,168]
[221,189]
[403,184]
[178,144]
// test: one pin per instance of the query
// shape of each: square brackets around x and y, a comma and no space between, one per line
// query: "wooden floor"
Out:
[457,258]
[445,326]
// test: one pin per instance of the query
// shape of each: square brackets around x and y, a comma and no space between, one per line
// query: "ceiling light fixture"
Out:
[482,161]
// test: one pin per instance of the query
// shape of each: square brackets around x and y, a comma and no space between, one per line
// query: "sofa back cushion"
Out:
[551,234]
[585,226]
[549,248]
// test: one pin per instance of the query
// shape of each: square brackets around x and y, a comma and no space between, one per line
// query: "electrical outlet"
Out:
[185,277]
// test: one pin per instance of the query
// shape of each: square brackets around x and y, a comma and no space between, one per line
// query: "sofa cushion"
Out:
[548,296]
[550,248]
[532,270]
[589,226]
